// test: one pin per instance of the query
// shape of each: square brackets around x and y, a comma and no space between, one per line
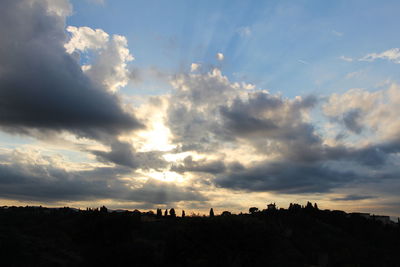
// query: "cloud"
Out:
[36,178]
[286,177]
[351,121]
[111,56]
[189,165]
[290,153]
[348,59]
[244,31]
[42,86]
[303,62]
[390,55]
[354,74]
[208,111]
[353,197]
[123,154]
[84,38]
[271,124]
[339,34]
[375,111]
[61,8]
[192,113]
[194,67]
[97,2]
[220,56]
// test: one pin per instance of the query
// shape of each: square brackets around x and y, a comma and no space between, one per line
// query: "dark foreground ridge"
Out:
[298,236]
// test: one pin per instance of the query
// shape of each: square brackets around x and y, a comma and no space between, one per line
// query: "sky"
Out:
[200,104]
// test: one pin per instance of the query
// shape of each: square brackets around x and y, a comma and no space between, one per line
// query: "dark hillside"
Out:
[295,237]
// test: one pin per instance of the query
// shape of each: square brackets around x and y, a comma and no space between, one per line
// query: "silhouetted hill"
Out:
[299,236]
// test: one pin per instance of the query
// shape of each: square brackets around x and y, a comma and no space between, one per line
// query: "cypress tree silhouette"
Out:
[211,212]
[166,213]
[309,206]
[159,213]
[183,214]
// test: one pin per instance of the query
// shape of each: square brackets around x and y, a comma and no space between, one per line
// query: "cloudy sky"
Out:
[199,104]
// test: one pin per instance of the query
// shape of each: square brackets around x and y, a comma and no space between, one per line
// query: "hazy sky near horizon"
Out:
[199,104]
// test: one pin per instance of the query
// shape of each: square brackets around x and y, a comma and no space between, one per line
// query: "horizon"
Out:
[187,104]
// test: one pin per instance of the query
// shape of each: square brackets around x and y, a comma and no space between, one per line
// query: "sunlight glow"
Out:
[165,176]
[158,138]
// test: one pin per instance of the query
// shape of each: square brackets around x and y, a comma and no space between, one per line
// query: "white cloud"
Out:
[220,56]
[337,33]
[248,86]
[97,2]
[194,67]
[354,74]
[244,31]
[348,59]
[111,55]
[379,110]
[84,38]
[391,55]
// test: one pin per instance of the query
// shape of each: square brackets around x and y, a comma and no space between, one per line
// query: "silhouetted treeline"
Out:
[297,236]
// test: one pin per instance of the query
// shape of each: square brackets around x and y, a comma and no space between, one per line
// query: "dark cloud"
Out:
[191,127]
[189,165]
[286,177]
[43,87]
[353,197]
[374,155]
[206,111]
[123,154]
[265,116]
[351,121]
[45,183]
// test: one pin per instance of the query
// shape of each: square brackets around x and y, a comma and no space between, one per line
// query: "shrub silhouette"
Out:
[172,213]
[253,210]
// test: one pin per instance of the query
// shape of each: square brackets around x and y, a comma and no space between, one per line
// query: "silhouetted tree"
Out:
[172,212]
[294,207]
[253,210]
[103,209]
[271,207]
[316,206]
[166,213]
[211,212]
[226,213]
[150,213]
[183,214]
[136,213]
[159,213]
[309,206]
